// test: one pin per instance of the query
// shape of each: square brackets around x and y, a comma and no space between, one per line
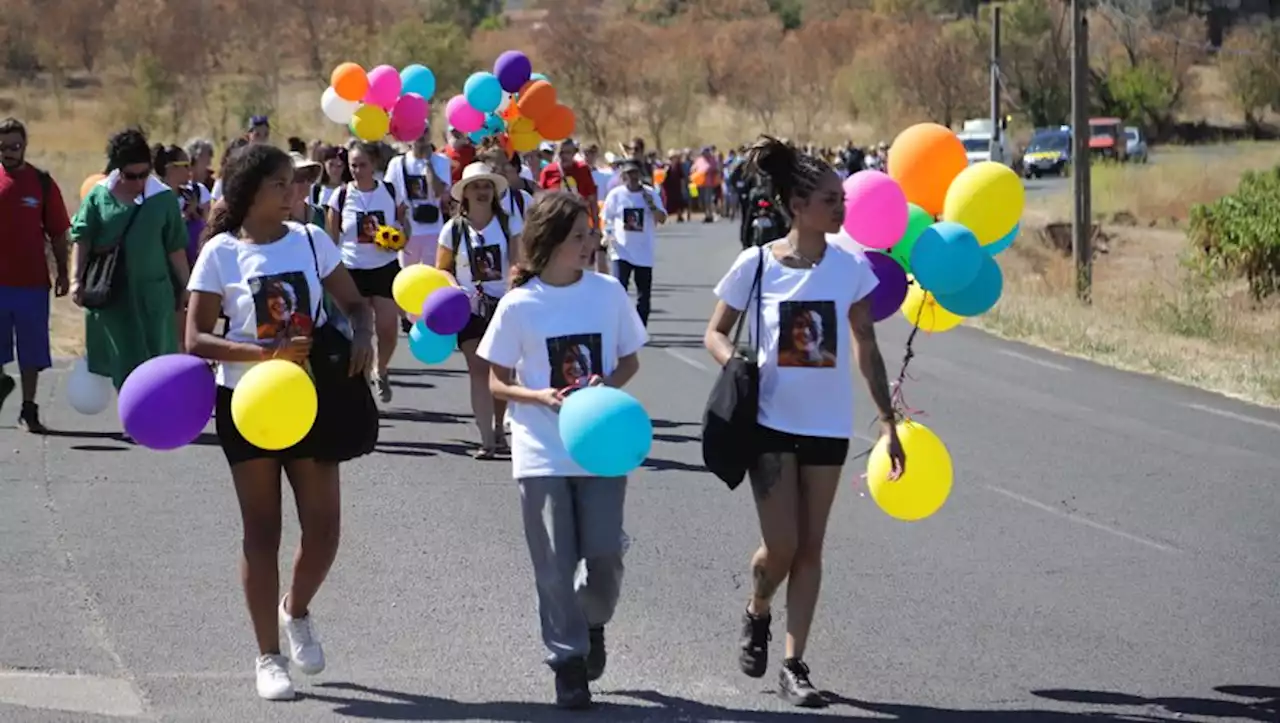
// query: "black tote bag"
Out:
[729,423]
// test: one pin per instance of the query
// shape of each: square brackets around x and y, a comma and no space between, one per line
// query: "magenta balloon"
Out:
[384,87]
[889,294]
[462,116]
[875,209]
[446,311]
[513,69]
[166,402]
[411,108]
[407,132]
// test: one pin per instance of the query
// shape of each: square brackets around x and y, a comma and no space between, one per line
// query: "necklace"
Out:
[795,251]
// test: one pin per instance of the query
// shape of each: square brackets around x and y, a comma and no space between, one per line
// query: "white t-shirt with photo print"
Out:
[362,213]
[628,220]
[806,383]
[269,291]
[408,174]
[554,336]
[488,250]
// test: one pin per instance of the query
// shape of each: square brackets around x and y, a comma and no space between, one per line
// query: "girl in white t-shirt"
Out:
[561,328]
[477,247]
[810,294]
[355,213]
[267,276]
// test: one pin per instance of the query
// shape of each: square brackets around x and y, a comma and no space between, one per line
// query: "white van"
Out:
[976,134]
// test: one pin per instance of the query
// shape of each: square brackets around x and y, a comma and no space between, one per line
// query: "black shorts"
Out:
[809,451]
[376,282]
[238,449]
[475,329]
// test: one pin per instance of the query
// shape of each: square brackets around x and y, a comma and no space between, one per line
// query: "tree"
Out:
[749,80]
[1036,59]
[1250,61]
[1142,61]
[576,46]
[944,73]
[664,91]
[811,58]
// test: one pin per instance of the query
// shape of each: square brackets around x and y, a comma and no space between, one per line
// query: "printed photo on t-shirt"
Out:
[189,196]
[807,334]
[367,223]
[574,359]
[486,262]
[416,187]
[282,305]
[633,219]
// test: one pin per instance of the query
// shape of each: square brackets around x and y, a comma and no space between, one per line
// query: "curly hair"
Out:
[127,147]
[243,173]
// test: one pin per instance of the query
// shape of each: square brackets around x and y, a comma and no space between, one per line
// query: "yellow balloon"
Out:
[521,125]
[924,311]
[414,284]
[925,483]
[524,142]
[987,198]
[274,404]
[371,123]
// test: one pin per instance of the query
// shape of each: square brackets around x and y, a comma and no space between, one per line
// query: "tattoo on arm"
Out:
[870,361]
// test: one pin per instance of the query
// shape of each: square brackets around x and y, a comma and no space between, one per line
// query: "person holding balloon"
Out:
[355,213]
[476,248]
[803,292]
[268,276]
[564,328]
[423,178]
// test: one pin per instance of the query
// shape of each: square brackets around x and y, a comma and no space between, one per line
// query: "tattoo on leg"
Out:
[764,588]
[765,476]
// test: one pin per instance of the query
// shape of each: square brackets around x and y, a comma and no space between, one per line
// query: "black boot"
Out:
[571,685]
[754,643]
[29,418]
[598,657]
[7,386]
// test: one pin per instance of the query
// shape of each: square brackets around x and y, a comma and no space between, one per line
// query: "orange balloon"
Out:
[349,81]
[510,113]
[537,99]
[89,183]
[557,124]
[924,160]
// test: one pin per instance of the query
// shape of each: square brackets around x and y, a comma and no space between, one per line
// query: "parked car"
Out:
[1135,144]
[1105,139]
[1048,154]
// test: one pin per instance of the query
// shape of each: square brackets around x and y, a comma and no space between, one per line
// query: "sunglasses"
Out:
[135,176]
[12,146]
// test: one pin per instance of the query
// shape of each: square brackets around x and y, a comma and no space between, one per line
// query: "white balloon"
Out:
[88,393]
[337,109]
[506,102]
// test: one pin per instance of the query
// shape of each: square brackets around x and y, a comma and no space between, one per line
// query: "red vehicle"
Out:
[1107,139]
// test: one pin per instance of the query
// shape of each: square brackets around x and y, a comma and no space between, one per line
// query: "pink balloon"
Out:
[384,87]
[411,108]
[407,131]
[875,209]
[462,116]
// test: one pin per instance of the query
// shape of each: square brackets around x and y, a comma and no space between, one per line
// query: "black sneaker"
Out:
[794,685]
[754,658]
[29,419]
[7,386]
[405,325]
[571,685]
[598,657]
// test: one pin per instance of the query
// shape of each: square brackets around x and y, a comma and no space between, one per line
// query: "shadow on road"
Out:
[671,464]
[424,449]
[677,341]
[429,417]
[1263,706]
[420,372]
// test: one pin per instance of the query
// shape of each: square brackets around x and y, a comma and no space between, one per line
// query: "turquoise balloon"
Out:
[918,220]
[980,295]
[946,258]
[418,79]
[539,76]
[429,347]
[996,247]
[483,92]
[605,430]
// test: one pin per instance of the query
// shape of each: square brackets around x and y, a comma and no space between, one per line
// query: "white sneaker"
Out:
[273,678]
[304,643]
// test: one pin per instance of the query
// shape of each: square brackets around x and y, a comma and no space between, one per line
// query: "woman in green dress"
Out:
[132,206]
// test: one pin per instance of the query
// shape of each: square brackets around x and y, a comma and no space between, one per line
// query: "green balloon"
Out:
[918,220]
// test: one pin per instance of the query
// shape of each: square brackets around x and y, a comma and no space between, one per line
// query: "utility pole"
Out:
[1082,219]
[996,131]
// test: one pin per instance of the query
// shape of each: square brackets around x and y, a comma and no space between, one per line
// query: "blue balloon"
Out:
[477,136]
[429,347]
[493,124]
[483,92]
[418,79]
[994,248]
[539,76]
[980,295]
[605,430]
[946,258]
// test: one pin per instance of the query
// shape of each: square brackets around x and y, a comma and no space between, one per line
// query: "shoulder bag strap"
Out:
[320,279]
[755,291]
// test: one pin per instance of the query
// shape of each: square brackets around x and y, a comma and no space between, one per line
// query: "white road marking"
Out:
[91,695]
[1081,520]
[1233,415]
[687,359]
[1033,360]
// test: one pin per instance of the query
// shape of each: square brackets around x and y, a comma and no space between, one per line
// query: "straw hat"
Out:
[479,172]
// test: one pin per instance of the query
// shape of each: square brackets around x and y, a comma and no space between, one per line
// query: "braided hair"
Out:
[244,170]
[793,175]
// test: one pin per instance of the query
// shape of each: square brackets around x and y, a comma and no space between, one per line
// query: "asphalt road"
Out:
[1053,185]
[1109,553]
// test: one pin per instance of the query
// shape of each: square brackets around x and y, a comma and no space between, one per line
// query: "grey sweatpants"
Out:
[574,529]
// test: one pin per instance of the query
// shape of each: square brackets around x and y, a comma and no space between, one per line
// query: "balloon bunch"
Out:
[381,101]
[390,238]
[443,311]
[513,104]
[931,227]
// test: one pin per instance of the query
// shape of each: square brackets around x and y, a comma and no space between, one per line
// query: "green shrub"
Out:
[1239,234]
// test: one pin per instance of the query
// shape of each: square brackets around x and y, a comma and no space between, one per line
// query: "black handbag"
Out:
[485,305]
[729,422]
[346,416]
[104,275]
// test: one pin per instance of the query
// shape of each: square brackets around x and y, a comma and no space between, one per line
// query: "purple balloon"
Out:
[513,70]
[446,311]
[889,294]
[166,402]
